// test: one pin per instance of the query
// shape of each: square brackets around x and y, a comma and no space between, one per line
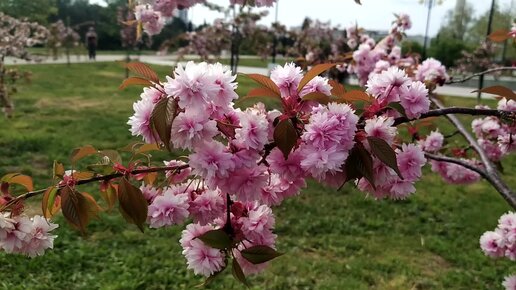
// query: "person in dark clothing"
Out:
[91,43]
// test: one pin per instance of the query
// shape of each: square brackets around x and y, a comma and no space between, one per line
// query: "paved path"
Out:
[170,60]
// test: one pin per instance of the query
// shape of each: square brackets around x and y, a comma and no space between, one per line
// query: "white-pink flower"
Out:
[40,237]
[210,159]
[414,99]
[190,129]
[287,78]
[140,121]
[509,282]
[433,142]
[168,209]
[381,127]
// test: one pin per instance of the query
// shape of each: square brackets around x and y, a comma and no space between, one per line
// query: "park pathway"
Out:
[170,60]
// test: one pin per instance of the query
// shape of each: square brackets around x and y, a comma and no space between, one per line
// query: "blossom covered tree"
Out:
[239,163]
[15,36]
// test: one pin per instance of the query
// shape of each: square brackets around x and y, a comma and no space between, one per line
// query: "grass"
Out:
[332,239]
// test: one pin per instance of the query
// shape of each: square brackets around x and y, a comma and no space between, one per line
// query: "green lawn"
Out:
[332,239]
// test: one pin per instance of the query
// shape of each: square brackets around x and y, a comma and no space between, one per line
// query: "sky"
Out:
[372,14]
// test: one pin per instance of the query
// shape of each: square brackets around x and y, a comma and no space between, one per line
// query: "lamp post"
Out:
[489,28]
[430,4]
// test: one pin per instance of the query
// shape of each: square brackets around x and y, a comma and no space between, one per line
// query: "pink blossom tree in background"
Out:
[238,164]
[15,36]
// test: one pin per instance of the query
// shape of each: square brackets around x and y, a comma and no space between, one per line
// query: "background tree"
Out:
[38,11]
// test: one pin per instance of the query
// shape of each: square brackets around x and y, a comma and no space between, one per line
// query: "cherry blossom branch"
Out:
[444,111]
[492,174]
[98,178]
[479,74]
[457,161]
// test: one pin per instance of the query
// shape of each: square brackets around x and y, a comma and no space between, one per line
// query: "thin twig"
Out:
[492,174]
[456,110]
[98,178]
[457,161]
[451,81]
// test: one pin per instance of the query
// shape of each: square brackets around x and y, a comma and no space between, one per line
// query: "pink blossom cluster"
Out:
[431,70]
[509,282]
[502,241]
[27,236]
[393,85]
[155,13]
[455,173]
[495,136]
[252,225]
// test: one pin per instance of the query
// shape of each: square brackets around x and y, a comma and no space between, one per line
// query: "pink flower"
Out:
[140,121]
[258,224]
[317,84]
[151,94]
[507,105]
[152,20]
[433,142]
[16,233]
[387,85]
[253,131]
[509,282]
[191,129]
[203,260]
[290,168]
[207,206]
[40,238]
[193,85]
[454,173]
[381,127]
[414,99]
[150,192]
[318,162]
[211,159]
[168,209]
[177,176]
[287,78]
[431,70]
[492,244]
[410,160]
[225,80]
[245,183]
[166,7]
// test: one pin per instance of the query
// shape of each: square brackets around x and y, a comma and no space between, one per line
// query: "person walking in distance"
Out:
[91,42]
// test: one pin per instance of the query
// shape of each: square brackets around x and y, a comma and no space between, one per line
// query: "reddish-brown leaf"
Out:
[109,195]
[266,82]
[318,97]
[143,70]
[381,149]
[58,169]
[237,272]
[81,152]
[148,147]
[261,92]
[499,91]
[354,95]
[113,155]
[285,136]
[499,35]
[132,203]
[161,119]
[82,175]
[17,178]
[48,202]
[133,81]
[315,71]
[150,178]
[78,208]
[337,89]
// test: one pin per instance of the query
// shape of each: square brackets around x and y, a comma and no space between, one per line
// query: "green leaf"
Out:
[260,254]
[162,117]
[132,203]
[237,272]
[285,136]
[384,152]
[48,202]
[217,239]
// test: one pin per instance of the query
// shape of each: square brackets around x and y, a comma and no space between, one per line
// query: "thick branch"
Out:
[479,74]
[443,111]
[493,176]
[98,178]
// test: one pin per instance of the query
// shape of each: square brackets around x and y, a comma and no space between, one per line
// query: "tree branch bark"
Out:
[492,175]
[443,111]
[479,74]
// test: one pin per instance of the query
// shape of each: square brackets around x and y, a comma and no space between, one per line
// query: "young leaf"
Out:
[58,169]
[266,82]
[143,70]
[217,239]
[113,155]
[237,272]
[109,196]
[48,202]
[318,97]
[499,35]
[131,81]
[500,91]
[398,107]
[354,95]
[17,178]
[359,164]
[82,175]
[77,208]
[162,117]
[132,203]
[261,92]
[260,254]
[81,152]
[384,152]
[285,136]
[148,147]
[315,71]
[337,89]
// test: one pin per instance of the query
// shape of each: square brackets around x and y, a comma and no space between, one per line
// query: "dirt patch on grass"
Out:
[69,103]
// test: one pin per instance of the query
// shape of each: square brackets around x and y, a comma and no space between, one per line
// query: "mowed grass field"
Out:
[331,239]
